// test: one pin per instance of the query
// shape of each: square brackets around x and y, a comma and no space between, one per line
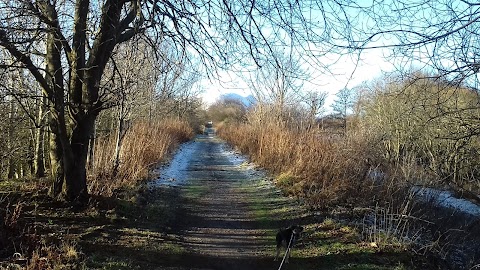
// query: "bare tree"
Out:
[66,45]
[343,105]
[314,102]
[277,88]
[439,36]
[126,85]
[278,82]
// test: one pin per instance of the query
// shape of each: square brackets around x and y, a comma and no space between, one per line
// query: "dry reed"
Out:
[318,168]
[144,145]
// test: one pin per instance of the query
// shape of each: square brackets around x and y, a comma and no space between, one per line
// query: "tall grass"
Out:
[351,171]
[323,170]
[145,145]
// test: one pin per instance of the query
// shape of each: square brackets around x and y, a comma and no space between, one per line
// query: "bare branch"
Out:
[24,59]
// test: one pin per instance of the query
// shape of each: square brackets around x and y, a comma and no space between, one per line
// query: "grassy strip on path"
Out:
[326,243]
[148,229]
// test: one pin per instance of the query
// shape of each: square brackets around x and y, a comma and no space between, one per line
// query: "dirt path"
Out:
[210,209]
[221,224]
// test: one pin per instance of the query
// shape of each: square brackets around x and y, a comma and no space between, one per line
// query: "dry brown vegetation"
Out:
[415,132]
[320,169]
[145,144]
[29,236]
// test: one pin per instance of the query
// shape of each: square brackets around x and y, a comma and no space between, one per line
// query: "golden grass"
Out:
[323,170]
[144,145]
[52,257]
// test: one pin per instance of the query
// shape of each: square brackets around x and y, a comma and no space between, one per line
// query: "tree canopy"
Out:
[65,47]
[439,36]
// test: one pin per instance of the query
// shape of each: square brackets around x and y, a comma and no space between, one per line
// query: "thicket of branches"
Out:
[426,123]
[138,87]
[63,52]
[66,52]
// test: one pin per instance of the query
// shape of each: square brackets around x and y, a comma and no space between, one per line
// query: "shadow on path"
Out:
[223,216]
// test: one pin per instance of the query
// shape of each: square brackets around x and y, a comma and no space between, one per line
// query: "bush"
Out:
[430,123]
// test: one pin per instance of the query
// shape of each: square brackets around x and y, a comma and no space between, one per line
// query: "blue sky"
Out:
[443,36]
[347,73]
[343,70]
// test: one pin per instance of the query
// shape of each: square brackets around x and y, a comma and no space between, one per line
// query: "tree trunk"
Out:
[91,152]
[10,146]
[119,140]
[56,162]
[38,160]
[72,154]
[75,159]
[118,146]
[11,168]
[58,136]
[29,164]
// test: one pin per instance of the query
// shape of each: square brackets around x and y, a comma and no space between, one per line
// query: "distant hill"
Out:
[247,101]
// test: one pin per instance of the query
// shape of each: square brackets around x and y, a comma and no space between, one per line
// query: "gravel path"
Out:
[225,214]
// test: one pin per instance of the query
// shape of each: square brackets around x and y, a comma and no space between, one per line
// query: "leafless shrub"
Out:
[391,227]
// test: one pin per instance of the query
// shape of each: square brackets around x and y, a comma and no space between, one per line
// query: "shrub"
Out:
[430,123]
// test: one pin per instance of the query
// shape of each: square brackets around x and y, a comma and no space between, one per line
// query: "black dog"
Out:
[287,238]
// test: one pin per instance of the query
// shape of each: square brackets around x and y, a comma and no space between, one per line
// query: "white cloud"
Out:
[344,71]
